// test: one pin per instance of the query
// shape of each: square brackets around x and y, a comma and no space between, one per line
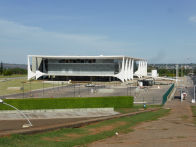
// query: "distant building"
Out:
[86,68]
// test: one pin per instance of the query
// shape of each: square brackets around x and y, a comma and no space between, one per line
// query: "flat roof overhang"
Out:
[86,57]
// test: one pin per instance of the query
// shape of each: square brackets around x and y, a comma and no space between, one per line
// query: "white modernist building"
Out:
[88,67]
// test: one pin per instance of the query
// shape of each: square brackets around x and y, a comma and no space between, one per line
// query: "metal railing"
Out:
[168,92]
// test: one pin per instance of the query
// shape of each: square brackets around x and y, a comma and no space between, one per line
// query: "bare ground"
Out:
[14,125]
[174,130]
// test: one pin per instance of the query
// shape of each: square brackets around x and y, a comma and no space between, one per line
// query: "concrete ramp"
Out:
[58,113]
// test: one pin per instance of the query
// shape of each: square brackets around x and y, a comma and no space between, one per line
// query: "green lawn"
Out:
[63,103]
[81,136]
[13,76]
[135,108]
[36,84]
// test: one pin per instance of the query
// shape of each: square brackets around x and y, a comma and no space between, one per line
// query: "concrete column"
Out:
[139,69]
[129,70]
[120,75]
[110,79]
[132,69]
[126,70]
[30,73]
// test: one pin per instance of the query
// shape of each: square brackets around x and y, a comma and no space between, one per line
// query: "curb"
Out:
[71,124]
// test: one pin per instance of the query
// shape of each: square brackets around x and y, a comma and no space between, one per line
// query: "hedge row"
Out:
[66,103]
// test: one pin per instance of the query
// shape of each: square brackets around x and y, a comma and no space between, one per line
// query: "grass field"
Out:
[20,83]
[81,136]
[13,76]
[135,108]
[63,103]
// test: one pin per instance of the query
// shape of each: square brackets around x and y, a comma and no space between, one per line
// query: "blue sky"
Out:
[162,31]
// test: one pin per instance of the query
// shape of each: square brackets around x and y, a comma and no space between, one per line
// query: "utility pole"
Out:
[79,90]
[23,88]
[43,60]
[43,86]
[193,100]
[30,89]
[181,71]
[74,90]
[177,74]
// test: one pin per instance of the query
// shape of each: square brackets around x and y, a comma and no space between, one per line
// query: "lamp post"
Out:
[181,95]
[25,125]
[193,100]
[177,74]
[43,86]
[74,90]
[23,88]
[30,89]
[127,90]
[79,90]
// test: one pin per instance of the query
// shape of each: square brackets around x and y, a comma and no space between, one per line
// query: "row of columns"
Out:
[142,69]
[32,74]
[126,72]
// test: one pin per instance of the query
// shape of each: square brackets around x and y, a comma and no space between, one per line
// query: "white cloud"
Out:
[192,18]
[24,40]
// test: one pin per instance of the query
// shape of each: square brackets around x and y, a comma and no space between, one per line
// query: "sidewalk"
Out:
[174,130]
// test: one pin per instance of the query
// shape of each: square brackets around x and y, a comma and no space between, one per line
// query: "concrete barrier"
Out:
[15,88]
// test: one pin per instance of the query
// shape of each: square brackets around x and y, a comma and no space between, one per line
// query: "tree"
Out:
[194,71]
[18,71]
[7,72]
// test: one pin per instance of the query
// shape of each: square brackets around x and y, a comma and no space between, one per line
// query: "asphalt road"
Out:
[151,95]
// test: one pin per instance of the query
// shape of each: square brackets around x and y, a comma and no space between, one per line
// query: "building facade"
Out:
[87,67]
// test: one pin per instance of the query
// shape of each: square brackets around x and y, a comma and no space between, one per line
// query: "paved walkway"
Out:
[174,130]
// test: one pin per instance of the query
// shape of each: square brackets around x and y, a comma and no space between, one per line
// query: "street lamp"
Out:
[23,88]
[177,74]
[193,100]
[25,125]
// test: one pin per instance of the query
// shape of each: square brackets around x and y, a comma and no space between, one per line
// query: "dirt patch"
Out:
[12,125]
[141,125]
[64,138]
[73,135]
[181,137]
[106,128]
[55,139]
[184,117]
